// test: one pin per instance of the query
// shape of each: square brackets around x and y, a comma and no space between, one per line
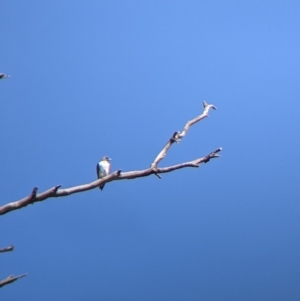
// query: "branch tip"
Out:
[7,249]
[218,150]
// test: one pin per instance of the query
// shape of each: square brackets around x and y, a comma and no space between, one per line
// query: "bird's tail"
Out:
[101,186]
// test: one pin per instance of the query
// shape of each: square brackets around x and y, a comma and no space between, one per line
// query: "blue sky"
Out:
[118,78]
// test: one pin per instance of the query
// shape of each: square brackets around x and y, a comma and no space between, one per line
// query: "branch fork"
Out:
[177,136]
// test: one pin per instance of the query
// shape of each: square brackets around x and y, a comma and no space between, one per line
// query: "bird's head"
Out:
[105,158]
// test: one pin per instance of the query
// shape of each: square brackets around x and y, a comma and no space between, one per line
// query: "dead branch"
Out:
[55,191]
[117,175]
[7,249]
[177,135]
[11,279]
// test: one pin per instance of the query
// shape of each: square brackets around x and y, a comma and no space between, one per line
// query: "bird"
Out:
[103,169]
[2,75]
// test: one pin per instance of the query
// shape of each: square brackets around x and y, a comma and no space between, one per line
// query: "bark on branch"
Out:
[117,175]
[178,135]
[11,279]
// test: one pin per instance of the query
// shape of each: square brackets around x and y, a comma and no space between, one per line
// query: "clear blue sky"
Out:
[117,78]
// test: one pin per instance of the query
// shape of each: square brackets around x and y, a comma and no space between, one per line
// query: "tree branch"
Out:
[11,279]
[117,175]
[55,191]
[177,135]
[7,249]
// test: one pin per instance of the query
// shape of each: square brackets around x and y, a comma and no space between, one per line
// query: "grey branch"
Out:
[178,135]
[7,249]
[117,175]
[11,279]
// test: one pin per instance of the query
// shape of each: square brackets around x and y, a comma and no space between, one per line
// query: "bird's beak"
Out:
[109,159]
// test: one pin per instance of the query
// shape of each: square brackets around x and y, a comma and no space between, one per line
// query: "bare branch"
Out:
[177,135]
[11,279]
[7,249]
[117,175]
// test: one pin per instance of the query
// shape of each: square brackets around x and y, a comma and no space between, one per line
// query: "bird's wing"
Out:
[102,170]
[98,170]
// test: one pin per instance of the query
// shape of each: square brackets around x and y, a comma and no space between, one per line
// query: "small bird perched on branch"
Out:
[103,169]
[2,75]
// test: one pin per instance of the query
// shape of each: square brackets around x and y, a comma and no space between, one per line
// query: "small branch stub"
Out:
[212,155]
[56,188]
[33,193]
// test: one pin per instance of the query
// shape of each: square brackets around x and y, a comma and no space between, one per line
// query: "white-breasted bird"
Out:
[103,169]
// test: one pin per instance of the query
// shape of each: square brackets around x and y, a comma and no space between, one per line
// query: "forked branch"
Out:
[179,135]
[56,191]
